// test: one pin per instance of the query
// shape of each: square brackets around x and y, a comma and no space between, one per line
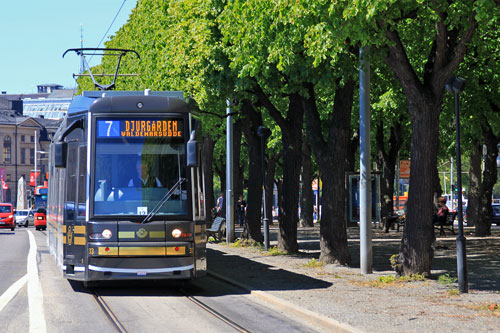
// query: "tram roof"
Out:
[83,102]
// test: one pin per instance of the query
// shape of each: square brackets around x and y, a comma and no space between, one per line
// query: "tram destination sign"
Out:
[139,128]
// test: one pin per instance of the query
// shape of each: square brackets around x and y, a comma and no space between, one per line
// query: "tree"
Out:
[423,44]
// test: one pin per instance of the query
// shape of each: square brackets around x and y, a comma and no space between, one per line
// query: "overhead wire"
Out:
[106,33]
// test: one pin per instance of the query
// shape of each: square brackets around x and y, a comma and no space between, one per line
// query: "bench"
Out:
[446,223]
[218,229]
[398,220]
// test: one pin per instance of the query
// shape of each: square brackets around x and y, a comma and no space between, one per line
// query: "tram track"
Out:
[213,312]
[108,312]
[113,318]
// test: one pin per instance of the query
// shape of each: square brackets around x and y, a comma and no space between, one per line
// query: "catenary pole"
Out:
[229,176]
[366,255]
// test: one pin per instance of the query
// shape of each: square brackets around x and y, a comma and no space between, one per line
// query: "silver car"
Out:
[25,217]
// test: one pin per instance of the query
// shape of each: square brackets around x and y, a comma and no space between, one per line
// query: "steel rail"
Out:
[214,312]
[107,311]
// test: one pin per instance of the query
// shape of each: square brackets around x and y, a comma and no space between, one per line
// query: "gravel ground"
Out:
[363,301]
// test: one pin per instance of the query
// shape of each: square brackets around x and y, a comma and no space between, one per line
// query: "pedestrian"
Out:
[241,208]
[442,211]
[220,204]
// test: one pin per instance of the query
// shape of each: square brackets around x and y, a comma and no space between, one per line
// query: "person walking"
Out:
[241,208]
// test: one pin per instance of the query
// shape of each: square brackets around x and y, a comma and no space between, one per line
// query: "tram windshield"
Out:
[132,174]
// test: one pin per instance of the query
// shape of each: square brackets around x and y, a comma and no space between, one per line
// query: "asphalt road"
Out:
[140,307]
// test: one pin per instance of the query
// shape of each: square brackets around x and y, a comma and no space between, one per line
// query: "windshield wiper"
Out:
[165,198]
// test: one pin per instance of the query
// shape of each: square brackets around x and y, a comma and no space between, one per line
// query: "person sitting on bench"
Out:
[441,214]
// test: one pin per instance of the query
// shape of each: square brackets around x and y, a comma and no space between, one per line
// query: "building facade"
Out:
[23,141]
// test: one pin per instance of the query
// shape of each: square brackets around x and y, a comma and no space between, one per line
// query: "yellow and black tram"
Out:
[126,189]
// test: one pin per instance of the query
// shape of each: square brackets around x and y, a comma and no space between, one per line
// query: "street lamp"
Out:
[456,85]
[264,133]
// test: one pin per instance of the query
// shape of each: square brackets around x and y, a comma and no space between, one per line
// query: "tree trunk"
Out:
[416,254]
[475,183]
[424,96]
[238,175]
[332,157]
[270,168]
[208,173]
[306,218]
[291,134]
[483,225]
[387,159]
[254,195]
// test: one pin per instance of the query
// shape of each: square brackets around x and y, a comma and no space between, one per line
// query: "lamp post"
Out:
[264,133]
[456,85]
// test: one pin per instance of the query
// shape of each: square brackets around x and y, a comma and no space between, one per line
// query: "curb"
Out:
[331,325]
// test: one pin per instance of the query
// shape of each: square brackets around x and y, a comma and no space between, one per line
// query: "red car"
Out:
[41,219]
[7,219]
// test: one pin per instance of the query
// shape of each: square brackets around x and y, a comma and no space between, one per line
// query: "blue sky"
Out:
[34,34]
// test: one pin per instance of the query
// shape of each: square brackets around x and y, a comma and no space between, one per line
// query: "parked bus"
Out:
[103,224]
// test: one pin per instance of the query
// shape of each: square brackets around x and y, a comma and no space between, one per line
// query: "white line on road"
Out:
[35,295]
[12,291]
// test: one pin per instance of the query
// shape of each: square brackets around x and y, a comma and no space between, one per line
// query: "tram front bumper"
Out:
[151,260]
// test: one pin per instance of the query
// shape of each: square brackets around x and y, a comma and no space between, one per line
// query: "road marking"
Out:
[12,291]
[35,295]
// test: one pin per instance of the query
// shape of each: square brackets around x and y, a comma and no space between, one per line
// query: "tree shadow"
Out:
[259,276]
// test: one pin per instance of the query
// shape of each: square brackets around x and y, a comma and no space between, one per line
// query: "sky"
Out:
[34,35]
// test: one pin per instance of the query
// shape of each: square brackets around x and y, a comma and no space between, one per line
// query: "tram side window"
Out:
[82,180]
[71,184]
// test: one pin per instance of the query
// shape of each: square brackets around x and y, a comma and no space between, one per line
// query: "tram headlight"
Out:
[105,234]
[176,233]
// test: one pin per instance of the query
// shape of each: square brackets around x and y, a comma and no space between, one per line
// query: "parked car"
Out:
[7,220]
[496,214]
[25,217]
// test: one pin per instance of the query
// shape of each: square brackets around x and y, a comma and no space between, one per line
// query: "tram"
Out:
[126,189]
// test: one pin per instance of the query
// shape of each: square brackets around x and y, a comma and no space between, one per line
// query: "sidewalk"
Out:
[348,301]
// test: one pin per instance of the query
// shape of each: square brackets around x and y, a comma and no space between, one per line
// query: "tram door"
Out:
[75,207]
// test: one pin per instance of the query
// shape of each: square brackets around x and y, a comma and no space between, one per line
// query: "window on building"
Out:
[32,138]
[7,150]
[32,156]
[23,138]
[23,155]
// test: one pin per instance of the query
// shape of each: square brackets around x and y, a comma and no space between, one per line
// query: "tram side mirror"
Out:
[192,151]
[60,149]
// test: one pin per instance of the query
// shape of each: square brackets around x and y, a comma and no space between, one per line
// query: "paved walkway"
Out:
[339,298]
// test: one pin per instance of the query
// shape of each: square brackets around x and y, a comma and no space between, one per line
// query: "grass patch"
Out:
[446,280]
[245,243]
[392,281]
[453,292]
[274,251]
[492,309]
[313,263]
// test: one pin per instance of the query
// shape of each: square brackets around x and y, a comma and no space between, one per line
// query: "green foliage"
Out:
[313,263]
[394,260]
[446,280]
[391,280]
[273,251]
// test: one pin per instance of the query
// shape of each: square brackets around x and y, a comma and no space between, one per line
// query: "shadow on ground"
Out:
[258,275]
